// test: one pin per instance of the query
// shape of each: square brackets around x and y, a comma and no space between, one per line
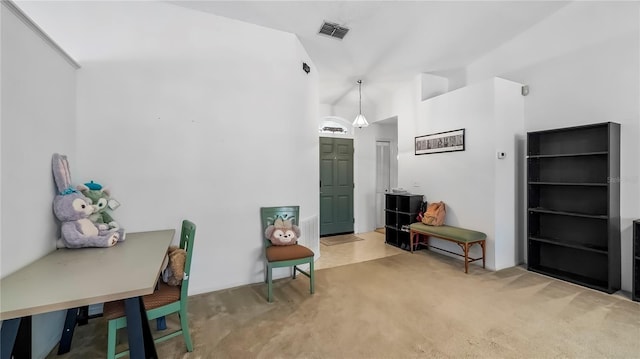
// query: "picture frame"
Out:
[448,141]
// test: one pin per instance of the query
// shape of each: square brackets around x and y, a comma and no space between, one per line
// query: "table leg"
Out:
[83,315]
[161,323]
[140,340]
[75,316]
[67,332]
[9,333]
[15,338]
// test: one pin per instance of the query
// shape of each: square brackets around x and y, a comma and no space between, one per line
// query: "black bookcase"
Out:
[635,290]
[400,211]
[573,199]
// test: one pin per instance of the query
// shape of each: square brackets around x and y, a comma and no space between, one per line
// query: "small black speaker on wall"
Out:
[306,67]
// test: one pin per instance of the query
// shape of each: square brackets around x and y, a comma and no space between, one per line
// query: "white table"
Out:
[70,278]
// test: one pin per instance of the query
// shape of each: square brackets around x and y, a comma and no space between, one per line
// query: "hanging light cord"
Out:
[360,91]
[360,121]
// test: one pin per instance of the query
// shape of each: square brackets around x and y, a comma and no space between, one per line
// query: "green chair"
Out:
[164,301]
[284,256]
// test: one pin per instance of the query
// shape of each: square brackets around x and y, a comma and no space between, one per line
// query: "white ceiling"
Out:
[388,40]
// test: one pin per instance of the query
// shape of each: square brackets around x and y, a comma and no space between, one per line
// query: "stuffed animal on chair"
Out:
[174,272]
[282,232]
[73,209]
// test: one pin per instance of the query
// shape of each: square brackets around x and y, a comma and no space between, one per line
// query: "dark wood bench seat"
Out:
[464,238]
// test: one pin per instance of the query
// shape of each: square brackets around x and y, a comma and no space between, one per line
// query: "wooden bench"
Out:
[465,238]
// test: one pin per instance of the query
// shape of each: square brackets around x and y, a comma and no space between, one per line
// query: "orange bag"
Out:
[435,214]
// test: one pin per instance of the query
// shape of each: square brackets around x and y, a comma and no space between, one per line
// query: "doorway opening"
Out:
[383,180]
[336,186]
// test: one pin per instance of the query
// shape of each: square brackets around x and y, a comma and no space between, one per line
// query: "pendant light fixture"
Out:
[360,121]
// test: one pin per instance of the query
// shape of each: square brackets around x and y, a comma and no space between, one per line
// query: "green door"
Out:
[336,186]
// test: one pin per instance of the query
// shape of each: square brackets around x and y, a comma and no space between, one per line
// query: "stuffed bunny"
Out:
[73,210]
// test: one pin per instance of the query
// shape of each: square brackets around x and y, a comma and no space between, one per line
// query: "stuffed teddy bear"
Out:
[101,199]
[174,272]
[73,209]
[282,232]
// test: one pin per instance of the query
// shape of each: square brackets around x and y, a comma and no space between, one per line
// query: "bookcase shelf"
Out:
[570,154]
[635,274]
[571,277]
[573,200]
[563,213]
[568,184]
[571,244]
[400,211]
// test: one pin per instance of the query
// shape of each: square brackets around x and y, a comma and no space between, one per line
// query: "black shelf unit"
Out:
[573,195]
[635,290]
[400,211]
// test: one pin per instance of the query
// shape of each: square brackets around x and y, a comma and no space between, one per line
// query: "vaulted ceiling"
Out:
[387,41]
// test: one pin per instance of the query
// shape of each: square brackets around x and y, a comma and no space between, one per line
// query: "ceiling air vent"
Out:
[333,30]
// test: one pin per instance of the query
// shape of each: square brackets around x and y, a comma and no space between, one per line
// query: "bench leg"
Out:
[417,236]
[420,238]
[466,257]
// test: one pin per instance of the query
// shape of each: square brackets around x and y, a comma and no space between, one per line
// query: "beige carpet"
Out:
[340,239]
[418,305]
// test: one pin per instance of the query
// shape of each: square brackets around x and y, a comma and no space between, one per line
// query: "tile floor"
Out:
[372,247]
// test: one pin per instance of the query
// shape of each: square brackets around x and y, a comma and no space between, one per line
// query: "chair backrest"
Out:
[187,235]
[269,214]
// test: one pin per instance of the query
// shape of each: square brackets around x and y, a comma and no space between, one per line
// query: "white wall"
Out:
[176,113]
[582,66]
[38,119]
[508,127]
[189,126]
[403,103]
[433,85]
[463,180]
[477,188]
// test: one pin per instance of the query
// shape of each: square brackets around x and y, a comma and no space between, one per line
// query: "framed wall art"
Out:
[449,141]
